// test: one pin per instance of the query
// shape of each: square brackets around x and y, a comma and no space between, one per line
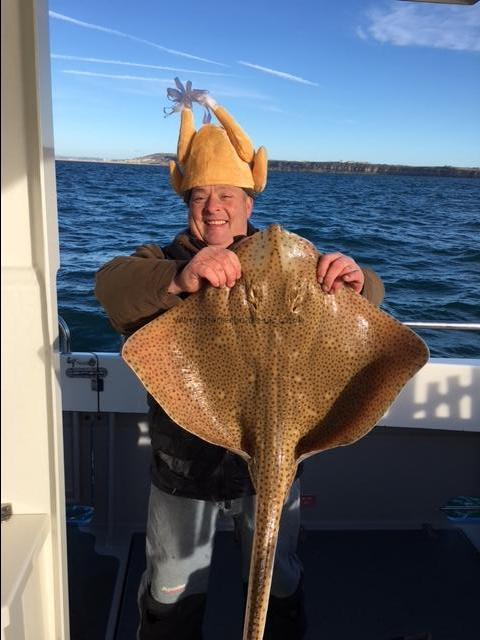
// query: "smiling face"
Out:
[218,213]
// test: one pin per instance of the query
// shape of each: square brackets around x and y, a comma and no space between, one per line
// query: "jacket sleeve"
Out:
[373,289]
[133,289]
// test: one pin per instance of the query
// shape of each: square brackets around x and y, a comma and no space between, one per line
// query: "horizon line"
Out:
[137,161]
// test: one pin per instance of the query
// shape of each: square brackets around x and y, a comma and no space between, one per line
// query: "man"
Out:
[218,176]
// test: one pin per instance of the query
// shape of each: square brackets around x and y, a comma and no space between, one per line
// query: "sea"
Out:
[421,235]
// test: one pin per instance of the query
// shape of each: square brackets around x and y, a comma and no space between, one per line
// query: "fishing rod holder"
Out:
[89,369]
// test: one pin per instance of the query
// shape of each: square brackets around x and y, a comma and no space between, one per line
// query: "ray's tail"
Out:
[270,500]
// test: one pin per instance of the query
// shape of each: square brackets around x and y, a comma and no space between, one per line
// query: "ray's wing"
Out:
[353,361]
[194,360]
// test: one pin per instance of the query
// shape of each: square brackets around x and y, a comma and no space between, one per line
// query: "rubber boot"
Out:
[180,621]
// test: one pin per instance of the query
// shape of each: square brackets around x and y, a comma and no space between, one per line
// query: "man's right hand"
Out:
[216,265]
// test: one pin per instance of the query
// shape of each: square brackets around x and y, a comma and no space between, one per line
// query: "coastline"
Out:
[163,159]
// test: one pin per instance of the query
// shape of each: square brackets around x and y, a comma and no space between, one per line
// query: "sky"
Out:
[381,81]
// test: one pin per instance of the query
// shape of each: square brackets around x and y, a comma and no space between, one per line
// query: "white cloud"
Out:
[58,56]
[88,25]
[279,74]
[437,26]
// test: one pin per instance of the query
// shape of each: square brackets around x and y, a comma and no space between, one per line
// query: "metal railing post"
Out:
[64,337]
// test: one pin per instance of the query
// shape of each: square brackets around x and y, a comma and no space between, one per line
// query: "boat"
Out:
[73,517]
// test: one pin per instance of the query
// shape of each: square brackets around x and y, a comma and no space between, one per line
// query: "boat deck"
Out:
[361,585]
[371,571]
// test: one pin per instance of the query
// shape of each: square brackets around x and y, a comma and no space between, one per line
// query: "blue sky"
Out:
[385,81]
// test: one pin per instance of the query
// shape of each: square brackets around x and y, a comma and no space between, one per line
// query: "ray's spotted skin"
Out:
[275,370]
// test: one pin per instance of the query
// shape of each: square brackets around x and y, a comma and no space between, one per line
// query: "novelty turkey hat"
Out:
[213,155]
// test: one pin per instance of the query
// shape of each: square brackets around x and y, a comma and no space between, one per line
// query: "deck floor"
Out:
[360,585]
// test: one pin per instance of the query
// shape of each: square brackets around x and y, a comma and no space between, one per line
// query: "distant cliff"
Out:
[365,167]
[340,167]
[162,159]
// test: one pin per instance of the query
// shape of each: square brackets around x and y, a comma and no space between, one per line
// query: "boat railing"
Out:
[65,338]
[452,326]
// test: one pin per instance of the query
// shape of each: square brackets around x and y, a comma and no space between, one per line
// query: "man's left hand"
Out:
[335,270]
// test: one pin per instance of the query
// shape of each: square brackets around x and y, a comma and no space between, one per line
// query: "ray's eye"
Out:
[296,306]
[296,296]
[252,297]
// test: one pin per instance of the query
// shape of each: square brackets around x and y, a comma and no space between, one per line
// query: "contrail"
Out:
[280,74]
[58,56]
[93,74]
[88,25]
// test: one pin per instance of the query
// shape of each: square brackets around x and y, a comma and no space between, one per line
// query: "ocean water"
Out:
[420,234]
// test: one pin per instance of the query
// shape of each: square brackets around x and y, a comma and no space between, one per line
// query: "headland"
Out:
[348,167]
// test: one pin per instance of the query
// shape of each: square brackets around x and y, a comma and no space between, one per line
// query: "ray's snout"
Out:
[277,250]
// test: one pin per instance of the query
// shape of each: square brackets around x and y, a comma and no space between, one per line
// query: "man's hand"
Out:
[220,267]
[334,270]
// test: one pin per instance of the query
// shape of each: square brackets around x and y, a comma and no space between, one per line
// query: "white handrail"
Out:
[453,326]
